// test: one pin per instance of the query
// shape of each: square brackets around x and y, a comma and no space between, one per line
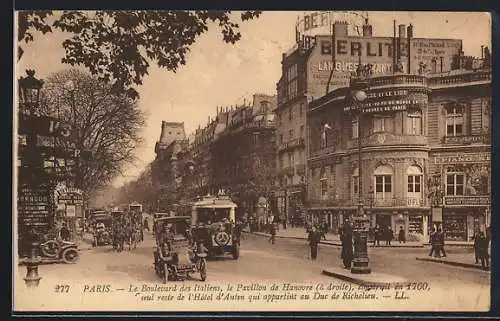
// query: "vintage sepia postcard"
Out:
[252,161]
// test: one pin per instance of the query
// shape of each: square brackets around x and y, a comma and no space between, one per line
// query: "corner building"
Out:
[421,135]
[320,64]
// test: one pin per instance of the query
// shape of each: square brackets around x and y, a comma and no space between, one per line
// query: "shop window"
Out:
[291,134]
[383,124]
[455,226]
[455,183]
[323,183]
[455,120]
[415,224]
[383,182]
[414,123]
[355,129]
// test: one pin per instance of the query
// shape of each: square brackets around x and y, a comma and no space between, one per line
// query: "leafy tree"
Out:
[117,46]
[102,121]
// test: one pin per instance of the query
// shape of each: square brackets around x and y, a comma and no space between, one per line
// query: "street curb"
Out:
[453,263]
[333,243]
[357,281]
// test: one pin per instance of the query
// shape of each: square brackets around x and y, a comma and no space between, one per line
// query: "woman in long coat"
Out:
[347,246]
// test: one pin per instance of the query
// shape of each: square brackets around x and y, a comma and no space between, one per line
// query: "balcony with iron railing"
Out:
[388,139]
[291,144]
[397,80]
[467,139]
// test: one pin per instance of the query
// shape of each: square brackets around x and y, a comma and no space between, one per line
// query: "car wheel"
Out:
[70,256]
[203,270]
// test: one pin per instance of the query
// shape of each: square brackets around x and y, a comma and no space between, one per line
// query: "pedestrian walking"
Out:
[314,238]
[433,242]
[65,232]
[272,238]
[347,246]
[440,241]
[389,235]
[324,229]
[401,235]
[482,244]
[146,224]
[476,247]
[377,233]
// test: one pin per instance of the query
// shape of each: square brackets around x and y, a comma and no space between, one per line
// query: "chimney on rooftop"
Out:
[367,29]
[402,31]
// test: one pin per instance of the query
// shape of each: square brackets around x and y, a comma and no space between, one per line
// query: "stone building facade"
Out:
[243,155]
[425,154]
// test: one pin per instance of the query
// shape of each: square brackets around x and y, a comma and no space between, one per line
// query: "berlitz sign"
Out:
[317,21]
[349,51]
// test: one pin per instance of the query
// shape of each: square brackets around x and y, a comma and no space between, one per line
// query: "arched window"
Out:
[323,179]
[415,184]
[383,182]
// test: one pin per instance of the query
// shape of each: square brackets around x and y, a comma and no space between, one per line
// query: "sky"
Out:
[220,74]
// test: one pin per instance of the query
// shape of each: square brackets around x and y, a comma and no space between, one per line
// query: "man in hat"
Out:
[347,253]
[314,238]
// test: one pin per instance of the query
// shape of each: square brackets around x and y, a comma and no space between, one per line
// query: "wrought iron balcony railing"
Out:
[464,78]
[467,139]
[294,143]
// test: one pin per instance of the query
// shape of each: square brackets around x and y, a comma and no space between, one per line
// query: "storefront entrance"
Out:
[383,220]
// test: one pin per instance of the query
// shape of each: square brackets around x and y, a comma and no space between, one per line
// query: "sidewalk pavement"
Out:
[331,239]
[466,260]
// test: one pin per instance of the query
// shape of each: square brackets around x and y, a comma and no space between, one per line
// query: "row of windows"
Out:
[291,113]
[454,117]
[383,182]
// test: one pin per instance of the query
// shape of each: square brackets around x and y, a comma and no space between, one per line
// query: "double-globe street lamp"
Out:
[356,96]
[29,98]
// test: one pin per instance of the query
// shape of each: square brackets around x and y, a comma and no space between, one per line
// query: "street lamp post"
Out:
[29,97]
[360,262]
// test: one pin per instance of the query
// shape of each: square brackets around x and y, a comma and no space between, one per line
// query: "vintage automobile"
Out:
[175,254]
[213,224]
[53,249]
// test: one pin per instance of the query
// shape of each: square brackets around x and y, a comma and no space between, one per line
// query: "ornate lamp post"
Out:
[29,97]
[357,94]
